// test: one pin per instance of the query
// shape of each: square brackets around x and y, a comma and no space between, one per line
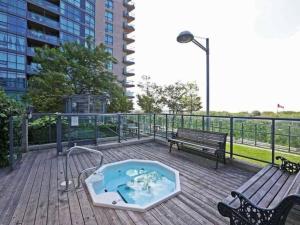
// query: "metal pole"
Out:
[207,84]
[154,128]
[289,138]
[273,140]
[255,134]
[58,135]
[96,130]
[166,126]
[182,121]
[11,143]
[231,137]
[119,128]
[139,126]
[242,133]
[207,76]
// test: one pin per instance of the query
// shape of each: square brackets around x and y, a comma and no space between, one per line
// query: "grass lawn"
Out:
[260,153]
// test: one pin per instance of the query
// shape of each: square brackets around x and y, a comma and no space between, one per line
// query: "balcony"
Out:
[128,28]
[129,16]
[128,50]
[128,72]
[45,5]
[129,94]
[128,83]
[33,68]
[128,60]
[129,4]
[30,51]
[128,39]
[42,20]
[37,35]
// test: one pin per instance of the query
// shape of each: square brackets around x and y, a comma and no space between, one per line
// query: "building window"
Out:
[13,79]
[17,7]
[108,16]
[109,66]
[70,26]
[12,23]
[89,32]
[12,42]
[70,11]
[68,38]
[74,2]
[90,8]
[12,61]
[108,27]
[109,40]
[109,50]
[109,4]
[89,21]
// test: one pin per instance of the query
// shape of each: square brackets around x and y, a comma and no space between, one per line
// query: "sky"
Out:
[254,50]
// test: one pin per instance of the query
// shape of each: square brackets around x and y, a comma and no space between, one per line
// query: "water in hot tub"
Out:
[137,183]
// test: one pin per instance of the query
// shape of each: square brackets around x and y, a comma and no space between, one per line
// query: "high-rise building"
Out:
[26,24]
[114,28]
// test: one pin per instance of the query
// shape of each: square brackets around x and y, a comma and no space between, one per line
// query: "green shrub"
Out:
[8,107]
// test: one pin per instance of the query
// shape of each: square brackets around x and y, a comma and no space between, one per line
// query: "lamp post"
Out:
[186,37]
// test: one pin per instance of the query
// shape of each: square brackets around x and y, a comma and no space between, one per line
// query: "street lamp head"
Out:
[185,37]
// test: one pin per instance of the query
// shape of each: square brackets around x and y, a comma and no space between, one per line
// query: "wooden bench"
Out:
[266,198]
[212,143]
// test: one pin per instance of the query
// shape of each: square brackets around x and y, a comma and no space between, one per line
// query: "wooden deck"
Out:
[32,195]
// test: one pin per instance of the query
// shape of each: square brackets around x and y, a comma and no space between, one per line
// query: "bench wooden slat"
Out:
[274,191]
[266,187]
[213,143]
[229,200]
[266,198]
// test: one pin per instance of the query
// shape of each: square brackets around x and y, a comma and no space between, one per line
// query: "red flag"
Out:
[280,106]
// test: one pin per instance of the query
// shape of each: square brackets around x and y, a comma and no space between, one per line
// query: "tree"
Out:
[172,96]
[255,113]
[8,107]
[191,100]
[150,99]
[72,69]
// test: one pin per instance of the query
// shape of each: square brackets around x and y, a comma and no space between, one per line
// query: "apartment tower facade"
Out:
[26,24]
[114,28]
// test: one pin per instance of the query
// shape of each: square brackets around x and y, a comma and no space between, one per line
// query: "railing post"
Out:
[273,140]
[242,133]
[49,130]
[96,129]
[11,142]
[119,127]
[203,123]
[166,126]
[289,138]
[139,126]
[24,134]
[58,135]
[154,125]
[182,121]
[255,134]
[231,137]
[150,123]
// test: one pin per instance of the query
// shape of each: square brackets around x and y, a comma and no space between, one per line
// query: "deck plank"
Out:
[41,200]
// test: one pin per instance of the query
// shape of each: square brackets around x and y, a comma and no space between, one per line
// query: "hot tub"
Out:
[133,184]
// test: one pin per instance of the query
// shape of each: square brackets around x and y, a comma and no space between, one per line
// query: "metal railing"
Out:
[67,182]
[248,137]
[43,19]
[44,37]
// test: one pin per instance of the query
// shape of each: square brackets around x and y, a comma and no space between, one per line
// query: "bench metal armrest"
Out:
[174,135]
[288,166]
[248,213]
